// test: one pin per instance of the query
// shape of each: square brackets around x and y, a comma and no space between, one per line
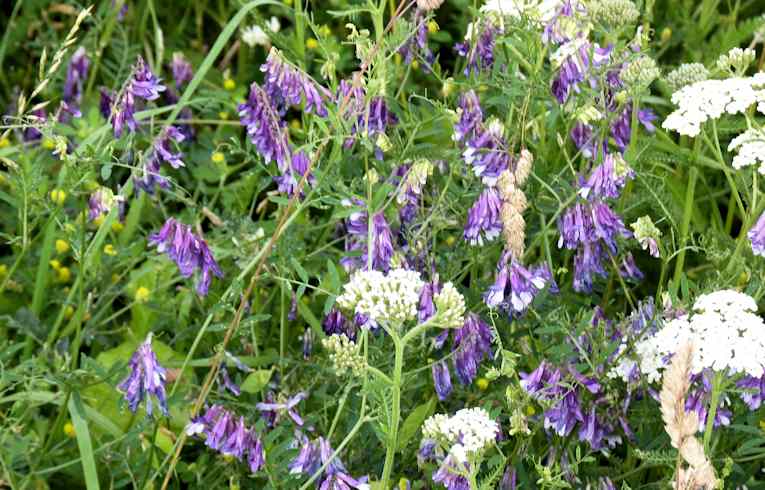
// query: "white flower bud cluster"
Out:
[750,149]
[640,73]
[726,334]
[450,306]
[343,354]
[710,99]
[736,59]
[388,299]
[467,433]
[686,74]
[616,13]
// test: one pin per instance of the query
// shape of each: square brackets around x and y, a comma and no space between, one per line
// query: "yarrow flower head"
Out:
[390,299]
[750,149]
[450,306]
[616,13]
[711,99]
[757,236]
[188,251]
[686,74]
[465,435]
[726,333]
[146,380]
[640,73]
[255,35]
[228,435]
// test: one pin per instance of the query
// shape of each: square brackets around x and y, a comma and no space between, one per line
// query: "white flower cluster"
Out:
[254,35]
[343,354]
[750,149]
[725,332]
[467,432]
[737,58]
[450,306]
[710,99]
[389,299]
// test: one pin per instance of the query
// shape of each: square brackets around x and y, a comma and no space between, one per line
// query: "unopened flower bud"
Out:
[686,74]
[640,73]
[450,306]
[738,59]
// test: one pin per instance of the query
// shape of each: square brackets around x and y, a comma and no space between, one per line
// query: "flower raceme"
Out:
[228,435]
[188,251]
[146,380]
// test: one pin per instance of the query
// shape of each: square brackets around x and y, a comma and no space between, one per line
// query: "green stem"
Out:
[146,474]
[685,225]
[716,392]
[390,452]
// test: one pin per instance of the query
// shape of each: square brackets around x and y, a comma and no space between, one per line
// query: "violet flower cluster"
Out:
[76,75]
[357,237]
[371,117]
[288,86]
[313,455]
[161,152]
[230,436]
[188,251]
[146,380]
[756,236]
[478,46]
[273,410]
[516,286]
[416,47]
[142,85]
[591,227]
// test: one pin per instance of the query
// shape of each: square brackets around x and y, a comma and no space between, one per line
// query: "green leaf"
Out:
[77,412]
[256,380]
[299,269]
[414,421]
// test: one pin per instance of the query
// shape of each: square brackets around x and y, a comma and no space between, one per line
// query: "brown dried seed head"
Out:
[429,4]
[523,166]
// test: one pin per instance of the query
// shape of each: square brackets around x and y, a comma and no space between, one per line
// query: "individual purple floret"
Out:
[471,345]
[106,102]
[162,152]
[356,226]
[289,180]
[628,269]
[416,47]
[182,71]
[470,117]
[143,85]
[427,308]
[590,145]
[576,68]
[335,323]
[146,379]
[317,453]
[371,118]
[621,128]
[516,286]
[607,179]
[188,251]
[757,236]
[442,380]
[265,128]
[752,391]
[543,382]
[288,86]
[31,133]
[76,74]
[483,221]
[101,203]
[451,474]
[289,407]
[478,47]
[308,459]
[699,398]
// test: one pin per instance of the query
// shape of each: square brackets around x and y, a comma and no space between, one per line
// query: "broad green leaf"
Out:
[256,380]
[414,421]
[85,445]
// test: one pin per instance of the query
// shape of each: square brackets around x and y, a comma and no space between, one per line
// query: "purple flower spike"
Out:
[76,74]
[416,47]
[564,415]
[470,117]
[472,344]
[450,474]
[182,71]
[442,380]
[753,391]
[256,456]
[162,152]
[143,85]
[356,240]
[427,308]
[188,251]
[371,120]
[629,269]
[621,128]
[146,379]
[106,102]
[608,179]
[289,180]
[335,323]
[516,286]
[483,221]
[265,129]
[308,459]
[289,407]
[757,236]
[335,476]
[288,86]
[478,48]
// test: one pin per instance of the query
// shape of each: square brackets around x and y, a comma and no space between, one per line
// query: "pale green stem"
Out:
[395,415]
[716,392]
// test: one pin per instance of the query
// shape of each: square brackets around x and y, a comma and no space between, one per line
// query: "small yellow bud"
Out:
[397,59]
[49,143]
[666,35]
[63,274]
[58,196]
[311,43]
[69,430]
[5,143]
[142,294]
[482,383]
[325,30]
[229,84]
[448,87]
[295,124]
[223,115]
[68,312]
[115,278]
[288,2]
[55,264]
[110,250]
[450,240]
[3,270]
[99,220]
[62,246]
[218,157]
[117,227]
[530,410]
[433,27]
[415,65]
